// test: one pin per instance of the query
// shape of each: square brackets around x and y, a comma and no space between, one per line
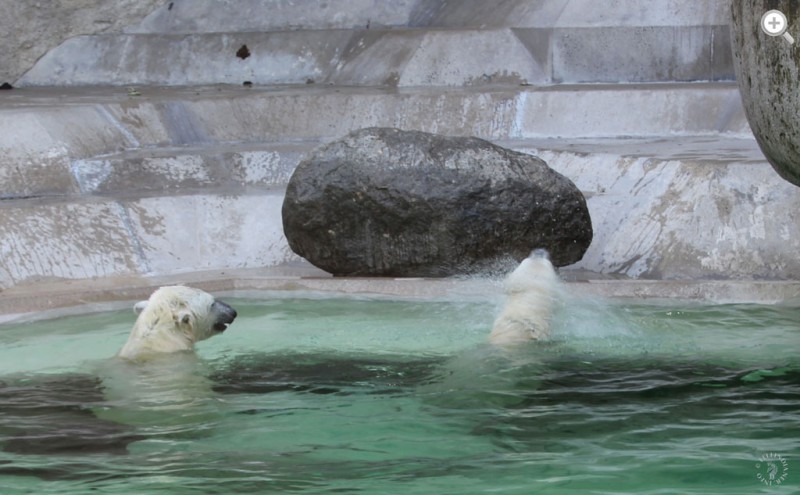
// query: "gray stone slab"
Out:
[48,135]
[643,111]
[581,111]
[685,218]
[28,30]
[28,33]
[584,13]
[686,202]
[640,54]
[138,59]
[75,240]
[566,13]
[358,57]
[394,57]
[38,145]
[196,16]
[467,58]
[178,171]
[213,16]
[375,58]
[702,209]
[183,234]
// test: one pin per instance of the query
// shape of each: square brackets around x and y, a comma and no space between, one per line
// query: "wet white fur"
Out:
[171,320]
[530,291]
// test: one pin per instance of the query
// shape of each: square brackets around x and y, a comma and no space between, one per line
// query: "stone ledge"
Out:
[451,57]
[210,16]
[672,208]
[48,299]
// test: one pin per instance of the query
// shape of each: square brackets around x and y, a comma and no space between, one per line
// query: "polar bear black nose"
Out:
[223,315]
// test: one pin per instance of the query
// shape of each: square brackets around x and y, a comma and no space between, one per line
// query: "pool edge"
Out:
[102,294]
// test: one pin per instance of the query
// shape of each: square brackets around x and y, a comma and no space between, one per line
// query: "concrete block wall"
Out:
[403,43]
[28,30]
[698,209]
[633,100]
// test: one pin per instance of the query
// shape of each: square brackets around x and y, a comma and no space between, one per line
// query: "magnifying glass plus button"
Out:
[774,23]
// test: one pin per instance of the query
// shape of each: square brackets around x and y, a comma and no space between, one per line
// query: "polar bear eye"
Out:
[184,317]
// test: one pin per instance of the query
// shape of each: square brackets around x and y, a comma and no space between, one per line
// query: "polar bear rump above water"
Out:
[173,319]
[530,295]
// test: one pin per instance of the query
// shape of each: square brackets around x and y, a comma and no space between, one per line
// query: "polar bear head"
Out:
[173,319]
[534,273]
[531,290]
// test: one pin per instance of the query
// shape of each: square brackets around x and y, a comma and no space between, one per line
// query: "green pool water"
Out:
[310,394]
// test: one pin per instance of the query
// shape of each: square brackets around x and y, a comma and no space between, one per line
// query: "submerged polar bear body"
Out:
[531,290]
[173,319]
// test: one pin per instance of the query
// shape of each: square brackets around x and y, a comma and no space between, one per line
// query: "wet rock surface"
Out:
[768,70]
[386,202]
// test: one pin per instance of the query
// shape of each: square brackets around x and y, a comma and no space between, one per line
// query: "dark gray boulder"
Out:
[768,73]
[386,202]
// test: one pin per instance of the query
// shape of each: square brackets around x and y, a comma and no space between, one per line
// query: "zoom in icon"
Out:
[774,23]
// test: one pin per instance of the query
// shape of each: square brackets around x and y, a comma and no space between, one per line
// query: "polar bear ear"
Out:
[139,307]
[183,317]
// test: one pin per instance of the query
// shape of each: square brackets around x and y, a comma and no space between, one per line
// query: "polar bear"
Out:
[173,319]
[531,290]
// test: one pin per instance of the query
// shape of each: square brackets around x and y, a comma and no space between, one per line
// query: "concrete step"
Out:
[56,299]
[669,209]
[681,208]
[393,57]
[46,154]
[233,168]
[42,146]
[246,167]
[100,183]
[29,32]
[213,16]
[43,239]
